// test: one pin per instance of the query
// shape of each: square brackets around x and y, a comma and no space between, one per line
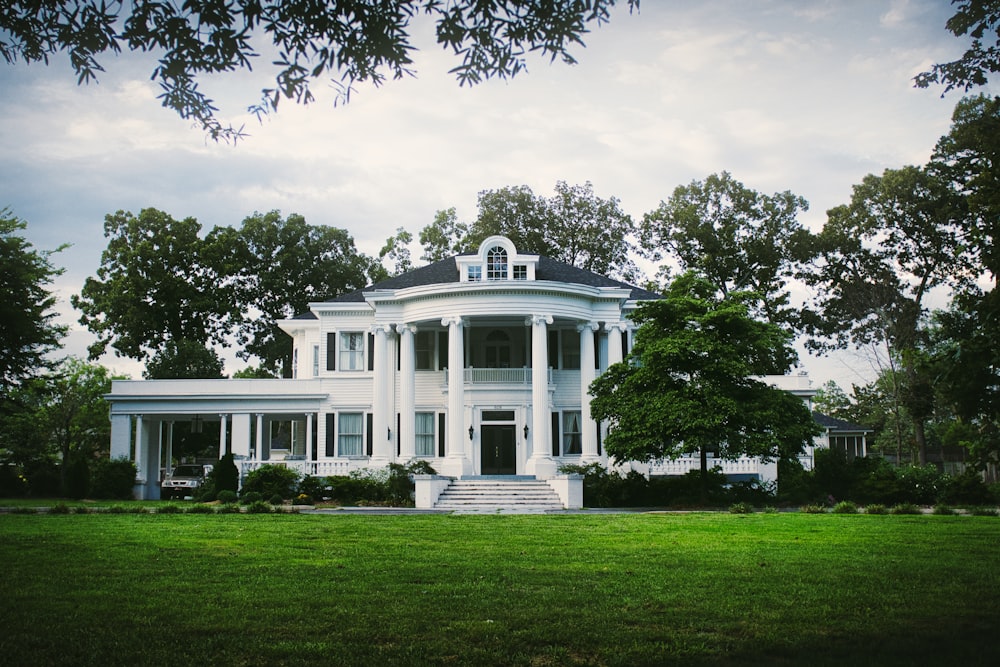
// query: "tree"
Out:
[184,359]
[278,267]
[397,251]
[878,258]
[574,226]
[736,238]
[29,332]
[979,19]
[688,385]
[356,42]
[153,287]
[831,400]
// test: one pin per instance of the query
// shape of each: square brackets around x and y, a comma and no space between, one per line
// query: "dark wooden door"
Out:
[499,450]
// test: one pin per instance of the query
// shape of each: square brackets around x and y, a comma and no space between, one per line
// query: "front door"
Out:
[499,450]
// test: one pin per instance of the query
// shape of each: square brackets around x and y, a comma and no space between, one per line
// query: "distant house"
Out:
[844,436]
[477,363]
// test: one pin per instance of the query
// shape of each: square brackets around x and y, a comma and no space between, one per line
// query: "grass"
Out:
[691,589]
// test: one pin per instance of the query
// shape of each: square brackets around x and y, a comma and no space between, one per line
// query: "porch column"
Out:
[169,457]
[381,423]
[615,341]
[309,436]
[540,464]
[259,449]
[587,374]
[458,463]
[407,389]
[121,436]
[223,424]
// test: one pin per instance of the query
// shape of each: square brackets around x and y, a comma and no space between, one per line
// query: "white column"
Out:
[407,389]
[121,436]
[615,342]
[540,463]
[223,424]
[309,436]
[169,458]
[457,463]
[381,451]
[587,375]
[259,444]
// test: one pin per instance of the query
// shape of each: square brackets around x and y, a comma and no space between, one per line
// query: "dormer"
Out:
[496,260]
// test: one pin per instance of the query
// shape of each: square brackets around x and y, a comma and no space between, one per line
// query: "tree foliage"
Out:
[152,287]
[689,383]
[29,331]
[355,42]
[980,20]
[735,237]
[574,226]
[179,359]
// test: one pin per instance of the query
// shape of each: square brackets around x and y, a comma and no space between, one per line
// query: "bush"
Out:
[43,479]
[965,489]
[82,509]
[984,511]
[875,509]
[314,487]
[117,509]
[303,499]
[112,479]
[845,507]
[60,508]
[905,508]
[259,507]
[272,480]
[226,475]
[741,508]
[199,508]
[944,510]
[168,509]
[251,497]
[276,500]
[77,477]
[12,483]
[226,496]
[812,509]
[229,508]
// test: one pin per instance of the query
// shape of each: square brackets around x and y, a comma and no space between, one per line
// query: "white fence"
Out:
[313,468]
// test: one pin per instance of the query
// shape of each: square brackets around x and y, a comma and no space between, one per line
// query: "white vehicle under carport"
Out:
[183,481]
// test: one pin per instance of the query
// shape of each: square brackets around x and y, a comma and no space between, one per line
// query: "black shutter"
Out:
[331,435]
[331,351]
[314,445]
[442,350]
[441,427]
[399,441]
[371,352]
[555,434]
[369,427]
[554,349]
[597,350]
[599,443]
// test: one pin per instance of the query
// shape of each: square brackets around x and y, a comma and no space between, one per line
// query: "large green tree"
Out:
[574,226]
[354,42]
[184,359]
[28,332]
[738,239]
[153,287]
[878,259]
[690,384]
[278,266]
[980,20]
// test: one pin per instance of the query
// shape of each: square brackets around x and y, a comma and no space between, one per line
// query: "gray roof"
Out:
[834,424]
[446,271]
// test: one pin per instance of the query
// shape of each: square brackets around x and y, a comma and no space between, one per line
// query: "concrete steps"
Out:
[492,495]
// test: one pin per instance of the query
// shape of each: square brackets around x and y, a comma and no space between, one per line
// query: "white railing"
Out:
[520,376]
[313,468]
[685,464]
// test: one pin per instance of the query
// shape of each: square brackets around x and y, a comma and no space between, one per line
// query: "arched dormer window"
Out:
[496,263]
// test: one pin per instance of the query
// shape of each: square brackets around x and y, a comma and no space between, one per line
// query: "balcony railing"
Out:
[520,376]
[314,468]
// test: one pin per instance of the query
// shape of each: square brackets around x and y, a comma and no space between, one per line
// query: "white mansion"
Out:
[478,363]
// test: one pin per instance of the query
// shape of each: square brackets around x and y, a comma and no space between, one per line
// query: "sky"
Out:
[801,95]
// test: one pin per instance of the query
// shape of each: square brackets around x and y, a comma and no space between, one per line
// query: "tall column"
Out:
[309,436]
[259,449]
[381,422]
[540,463]
[407,390]
[457,463]
[615,341]
[169,458]
[587,374]
[224,422]
[121,436]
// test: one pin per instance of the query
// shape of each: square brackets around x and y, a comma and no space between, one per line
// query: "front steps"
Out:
[515,495]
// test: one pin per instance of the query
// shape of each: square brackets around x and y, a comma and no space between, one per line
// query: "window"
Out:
[572,443]
[496,264]
[350,433]
[315,360]
[497,349]
[520,272]
[570,349]
[423,346]
[425,433]
[475,274]
[352,351]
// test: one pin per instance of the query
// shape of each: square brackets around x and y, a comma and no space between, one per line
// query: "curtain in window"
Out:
[425,433]
[350,431]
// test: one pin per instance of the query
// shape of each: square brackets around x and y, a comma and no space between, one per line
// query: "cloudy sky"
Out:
[800,95]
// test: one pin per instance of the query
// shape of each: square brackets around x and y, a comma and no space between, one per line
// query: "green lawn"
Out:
[630,589]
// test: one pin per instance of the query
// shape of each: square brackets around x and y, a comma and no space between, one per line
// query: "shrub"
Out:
[199,508]
[303,499]
[228,508]
[965,489]
[43,479]
[117,509]
[741,508]
[314,487]
[812,509]
[226,475]
[875,508]
[137,509]
[845,507]
[226,496]
[77,477]
[251,497]
[168,509]
[919,484]
[24,510]
[259,507]
[276,500]
[272,480]
[112,479]
[943,510]
[905,508]
[984,511]
[60,508]
[82,509]
[12,483]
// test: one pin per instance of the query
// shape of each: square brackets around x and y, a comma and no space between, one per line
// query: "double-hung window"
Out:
[572,442]
[350,434]
[352,351]
[425,433]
